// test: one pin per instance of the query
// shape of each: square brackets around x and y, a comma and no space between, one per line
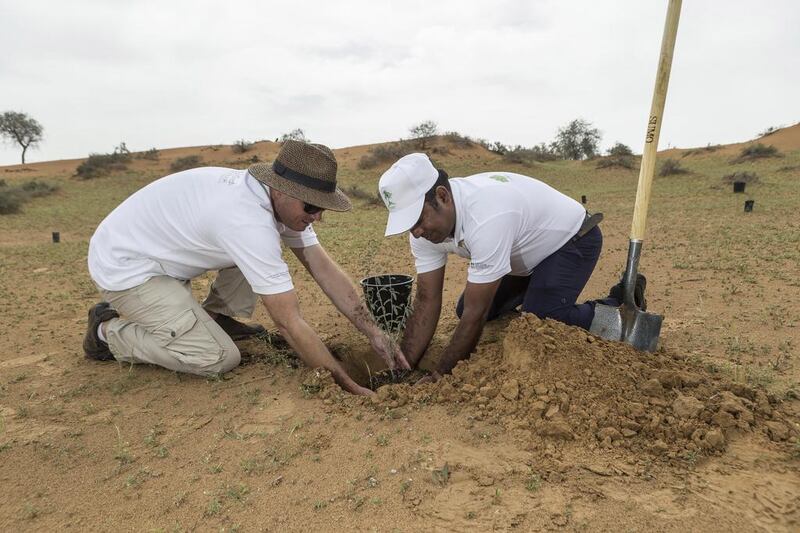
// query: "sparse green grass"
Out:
[533,483]
[30,511]
[214,507]
[121,451]
[442,476]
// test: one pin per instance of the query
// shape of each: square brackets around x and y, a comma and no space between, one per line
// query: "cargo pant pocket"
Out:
[173,329]
[189,341]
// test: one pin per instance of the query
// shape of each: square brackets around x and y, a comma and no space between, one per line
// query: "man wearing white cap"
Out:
[527,244]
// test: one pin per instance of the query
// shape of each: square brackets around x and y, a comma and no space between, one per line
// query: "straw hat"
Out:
[304,171]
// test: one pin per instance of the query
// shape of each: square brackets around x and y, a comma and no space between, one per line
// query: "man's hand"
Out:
[389,351]
[477,301]
[358,390]
[433,377]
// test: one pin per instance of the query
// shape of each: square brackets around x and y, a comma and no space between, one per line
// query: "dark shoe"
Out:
[617,292]
[93,347]
[238,330]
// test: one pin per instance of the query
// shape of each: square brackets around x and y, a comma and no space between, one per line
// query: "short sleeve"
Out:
[427,255]
[256,250]
[298,239]
[490,248]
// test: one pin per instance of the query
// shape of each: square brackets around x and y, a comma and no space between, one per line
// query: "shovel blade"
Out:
[628,324]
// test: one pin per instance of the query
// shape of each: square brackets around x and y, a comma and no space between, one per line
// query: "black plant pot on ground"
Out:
[388,298]
[738,186]
[748,205]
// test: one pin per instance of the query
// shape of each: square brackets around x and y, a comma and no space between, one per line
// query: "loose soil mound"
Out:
[556,383]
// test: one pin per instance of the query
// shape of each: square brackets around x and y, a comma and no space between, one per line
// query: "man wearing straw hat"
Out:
[144,254]
[528,245]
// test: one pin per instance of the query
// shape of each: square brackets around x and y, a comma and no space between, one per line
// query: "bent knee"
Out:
[231,357]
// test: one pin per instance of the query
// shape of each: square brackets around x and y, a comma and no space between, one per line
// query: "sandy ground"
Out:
[545,428]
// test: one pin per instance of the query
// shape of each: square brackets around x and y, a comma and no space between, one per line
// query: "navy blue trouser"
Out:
[551,290]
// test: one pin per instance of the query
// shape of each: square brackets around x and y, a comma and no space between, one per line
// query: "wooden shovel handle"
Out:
[654,123]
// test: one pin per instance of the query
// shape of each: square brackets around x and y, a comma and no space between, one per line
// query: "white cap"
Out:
[403,189]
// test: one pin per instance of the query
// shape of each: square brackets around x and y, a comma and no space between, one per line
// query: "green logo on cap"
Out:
[387,197]
[498,177]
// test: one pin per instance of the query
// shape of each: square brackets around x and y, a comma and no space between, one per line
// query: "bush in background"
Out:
[671,167]
[185,163]
[495,147]
[421,133]
[620,149]
[577,140]
[294,135]
[385,153]
[151,155]
[527,156]
[747,177]
[12,197]
[370,199]
[757,151]
[458,140]
[622,161]
[97,165]
[710,148]
[241,146]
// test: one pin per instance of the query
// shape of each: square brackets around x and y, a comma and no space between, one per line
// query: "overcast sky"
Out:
[181,73]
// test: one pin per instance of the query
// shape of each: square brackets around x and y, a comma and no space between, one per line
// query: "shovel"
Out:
[628,323]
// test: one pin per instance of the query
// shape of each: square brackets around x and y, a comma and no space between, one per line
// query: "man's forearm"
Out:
[309,347]
[463,341]
[339,288]
[420,328]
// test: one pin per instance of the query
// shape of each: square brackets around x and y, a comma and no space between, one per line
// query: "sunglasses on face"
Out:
[312,209]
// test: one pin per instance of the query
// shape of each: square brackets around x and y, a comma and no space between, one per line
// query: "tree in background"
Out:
[22,129]
[423,131]
[294,135]
[577,140]
[620,149]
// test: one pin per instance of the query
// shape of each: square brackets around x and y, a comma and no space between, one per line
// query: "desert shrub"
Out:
[12,197]
[527,156]
[496,147]
[710,148]
[520,156]
[757,151]
[97,165]
[36,189]
[747,177]
[2,183]
[151,155]
[370,198]
[185,163]
[577,140]
[385,153]
[671,167]
[769,131]
[294,135]
[620,149]
[241,146]
[10,200]
[543,152]
[458,140]
[622,161]
[421,133]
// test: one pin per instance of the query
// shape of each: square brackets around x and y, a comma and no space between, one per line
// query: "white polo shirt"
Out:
[187,223]
[506,223]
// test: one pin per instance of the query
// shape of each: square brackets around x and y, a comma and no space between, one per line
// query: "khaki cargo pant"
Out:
[162,324]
